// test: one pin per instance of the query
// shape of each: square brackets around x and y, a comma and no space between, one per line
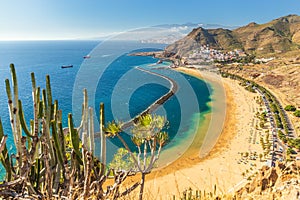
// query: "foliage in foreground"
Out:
[203,195]
[147,135]
[52,162]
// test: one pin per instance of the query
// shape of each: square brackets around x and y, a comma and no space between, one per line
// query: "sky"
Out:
[74,19]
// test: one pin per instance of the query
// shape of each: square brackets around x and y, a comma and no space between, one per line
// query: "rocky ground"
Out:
[280,182]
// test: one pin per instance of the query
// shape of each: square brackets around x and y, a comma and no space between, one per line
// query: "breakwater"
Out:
[173,89]
[157,103]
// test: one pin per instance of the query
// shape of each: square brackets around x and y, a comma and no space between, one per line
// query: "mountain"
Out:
[215,38]
[279,35]
[163,33]
[190,26]
[170,33]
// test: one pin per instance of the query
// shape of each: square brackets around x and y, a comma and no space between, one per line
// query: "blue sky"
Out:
[71,19]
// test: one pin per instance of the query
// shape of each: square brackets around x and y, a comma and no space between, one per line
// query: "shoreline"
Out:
[206,133]
[220,166]
[192,154]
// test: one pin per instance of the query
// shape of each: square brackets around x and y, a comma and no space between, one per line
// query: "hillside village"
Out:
[204,54]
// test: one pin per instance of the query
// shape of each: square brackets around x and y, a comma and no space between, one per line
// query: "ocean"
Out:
[110,76]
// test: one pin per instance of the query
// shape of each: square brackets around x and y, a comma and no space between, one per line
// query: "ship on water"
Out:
[66,66]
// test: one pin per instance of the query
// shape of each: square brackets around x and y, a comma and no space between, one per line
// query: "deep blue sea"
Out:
[110,76]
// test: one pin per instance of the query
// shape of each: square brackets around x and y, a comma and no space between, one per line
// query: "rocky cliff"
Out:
[279,35]
[281,182]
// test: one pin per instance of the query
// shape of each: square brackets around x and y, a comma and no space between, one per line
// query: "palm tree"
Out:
[255,154]
[243,174]
[247,154]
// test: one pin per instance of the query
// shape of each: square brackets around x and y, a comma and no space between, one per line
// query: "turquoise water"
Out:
[110,77]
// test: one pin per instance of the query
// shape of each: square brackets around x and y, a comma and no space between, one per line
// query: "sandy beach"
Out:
[226,165]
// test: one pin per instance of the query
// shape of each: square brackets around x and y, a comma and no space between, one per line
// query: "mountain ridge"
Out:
[279,35]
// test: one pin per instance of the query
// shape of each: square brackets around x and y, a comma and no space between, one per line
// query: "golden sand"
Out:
[223,165]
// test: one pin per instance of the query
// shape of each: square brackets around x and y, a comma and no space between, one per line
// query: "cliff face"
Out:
[281,182]
[279,35]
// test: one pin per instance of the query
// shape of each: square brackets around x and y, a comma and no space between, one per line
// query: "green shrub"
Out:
[297,113]
[250,88]
[273,107]
[290,108]
[291,151]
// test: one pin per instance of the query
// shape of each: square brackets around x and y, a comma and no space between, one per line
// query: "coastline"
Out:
[205,131]
[220,166]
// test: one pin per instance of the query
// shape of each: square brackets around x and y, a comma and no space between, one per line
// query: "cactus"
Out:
[4,157]
[43,168]
[13,108]
[23,121]
[58,147]
[18,131]
[3,143]
[85,120]
[48,117]
[57,134]
[74,138]
[62,140]
[18,123]
[102,135]
[91,131]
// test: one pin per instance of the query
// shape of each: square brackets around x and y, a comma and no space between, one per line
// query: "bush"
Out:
[290,108]
[282,136]
[291,151]
[250,88]
[297,113]
[261,124]
[297,143]
[274,108]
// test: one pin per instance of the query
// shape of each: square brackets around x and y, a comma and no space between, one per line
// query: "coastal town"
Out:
[206,54]
[207,58]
